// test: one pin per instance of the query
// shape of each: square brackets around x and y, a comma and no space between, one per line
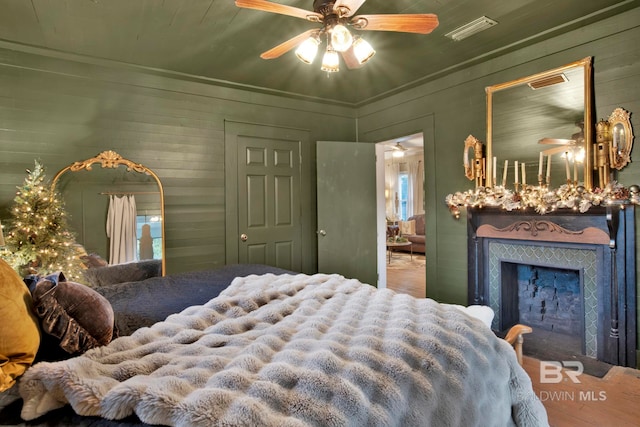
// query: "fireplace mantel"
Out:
[608,231]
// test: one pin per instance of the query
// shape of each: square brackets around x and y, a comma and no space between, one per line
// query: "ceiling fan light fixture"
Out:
[341,38]
[308,50]
[330,61]
[362,50]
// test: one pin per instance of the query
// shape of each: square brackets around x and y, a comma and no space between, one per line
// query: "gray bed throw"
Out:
[296,350]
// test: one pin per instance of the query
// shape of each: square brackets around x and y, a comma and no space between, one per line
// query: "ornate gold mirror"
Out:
[543,121]
[621,135]
[93,198]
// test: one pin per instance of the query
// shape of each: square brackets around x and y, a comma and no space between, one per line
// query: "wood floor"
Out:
[613,400]
[406,274]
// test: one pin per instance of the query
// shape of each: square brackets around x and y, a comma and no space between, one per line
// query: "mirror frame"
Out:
[586,64]
[111,159]
[620,157]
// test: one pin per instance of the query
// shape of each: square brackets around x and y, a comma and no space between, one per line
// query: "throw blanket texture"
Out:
[294,350]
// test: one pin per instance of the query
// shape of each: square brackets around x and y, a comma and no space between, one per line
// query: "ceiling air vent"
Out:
[548,81]
[471,28]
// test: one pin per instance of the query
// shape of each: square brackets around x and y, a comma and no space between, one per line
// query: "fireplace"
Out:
[568,272]
[546,297]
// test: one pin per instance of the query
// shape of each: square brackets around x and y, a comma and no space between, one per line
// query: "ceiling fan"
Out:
[398,149]
[335,16]
[565,145]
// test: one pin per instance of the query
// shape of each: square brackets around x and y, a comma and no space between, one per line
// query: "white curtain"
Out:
[121,229]
[415,202]
[391,188]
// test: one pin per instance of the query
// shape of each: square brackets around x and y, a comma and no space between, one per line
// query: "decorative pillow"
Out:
[19,331]
[407,227]
[93,260]
[79,317]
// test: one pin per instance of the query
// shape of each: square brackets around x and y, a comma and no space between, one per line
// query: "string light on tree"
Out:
[39,240]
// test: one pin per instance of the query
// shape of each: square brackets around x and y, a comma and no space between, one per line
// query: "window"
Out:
[154,223]
[404,195]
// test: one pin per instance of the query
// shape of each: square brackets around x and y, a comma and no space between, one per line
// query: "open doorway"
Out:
[403,194]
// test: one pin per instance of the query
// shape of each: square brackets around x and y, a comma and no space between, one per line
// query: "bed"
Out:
[263,346]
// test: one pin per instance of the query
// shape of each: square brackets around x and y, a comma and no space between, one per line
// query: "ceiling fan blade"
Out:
[421,23]
[348,7]
[285,47]
[350,60]
[554,150]
[267,6]
[557,141]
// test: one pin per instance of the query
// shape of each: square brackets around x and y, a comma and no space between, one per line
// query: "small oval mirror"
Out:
[618,137]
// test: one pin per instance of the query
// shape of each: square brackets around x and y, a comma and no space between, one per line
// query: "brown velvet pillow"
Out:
[75,314]
[19,330]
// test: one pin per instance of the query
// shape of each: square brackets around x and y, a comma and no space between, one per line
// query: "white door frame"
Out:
[381,217]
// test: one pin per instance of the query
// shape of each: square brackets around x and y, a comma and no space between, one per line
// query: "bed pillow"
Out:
[19,331]
[120,273]
[79,317]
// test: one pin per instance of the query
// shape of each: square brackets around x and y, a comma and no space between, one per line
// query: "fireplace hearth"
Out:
[566,272]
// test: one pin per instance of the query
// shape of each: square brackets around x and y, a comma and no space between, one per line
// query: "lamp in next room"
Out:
[1,236]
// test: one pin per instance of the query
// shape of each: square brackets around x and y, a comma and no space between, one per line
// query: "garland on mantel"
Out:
[543,199]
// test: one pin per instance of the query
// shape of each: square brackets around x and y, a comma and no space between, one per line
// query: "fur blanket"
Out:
[294,350]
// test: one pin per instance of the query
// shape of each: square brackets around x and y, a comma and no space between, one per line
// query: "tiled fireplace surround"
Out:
[599,244]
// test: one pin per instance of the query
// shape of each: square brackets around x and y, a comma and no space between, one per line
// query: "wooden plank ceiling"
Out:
[214,39]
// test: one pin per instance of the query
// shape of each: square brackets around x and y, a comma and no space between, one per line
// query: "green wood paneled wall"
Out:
[458,107]
[58,111]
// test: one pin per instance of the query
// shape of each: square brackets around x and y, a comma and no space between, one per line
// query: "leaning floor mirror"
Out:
[116,208]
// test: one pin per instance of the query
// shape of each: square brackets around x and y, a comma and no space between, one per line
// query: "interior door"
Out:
[347,211]
[269,202]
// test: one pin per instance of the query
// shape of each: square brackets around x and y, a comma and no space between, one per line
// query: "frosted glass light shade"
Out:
[330,61]
[341,38]
[362,50]
[307,50]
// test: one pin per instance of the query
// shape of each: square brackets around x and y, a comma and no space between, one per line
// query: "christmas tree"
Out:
[39,240]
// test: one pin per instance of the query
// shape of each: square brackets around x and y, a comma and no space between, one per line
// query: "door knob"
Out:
[244,237]
[322,233]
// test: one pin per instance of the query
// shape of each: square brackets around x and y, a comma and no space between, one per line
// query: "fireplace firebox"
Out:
[565,271]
